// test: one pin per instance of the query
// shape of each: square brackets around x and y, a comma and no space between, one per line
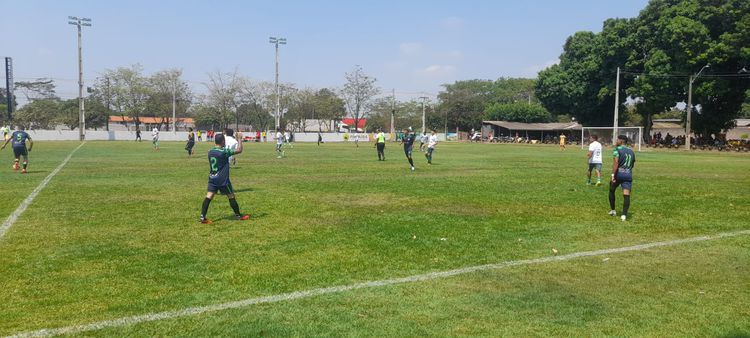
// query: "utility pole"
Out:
[277,41]
[86,22]
[617,107]
[690,106]
[174,106]
[393,112]
[9,88]
[424,100]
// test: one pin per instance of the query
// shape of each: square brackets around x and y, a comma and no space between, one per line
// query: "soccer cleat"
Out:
[598,183]
[612,213]
[242,217]
[206,221]
[412,168]
[15,166]
[24,171]
[623,218]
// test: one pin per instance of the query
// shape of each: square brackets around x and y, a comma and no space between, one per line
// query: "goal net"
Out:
[607,135]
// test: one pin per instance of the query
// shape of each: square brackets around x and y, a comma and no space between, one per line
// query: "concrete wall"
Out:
[121,135]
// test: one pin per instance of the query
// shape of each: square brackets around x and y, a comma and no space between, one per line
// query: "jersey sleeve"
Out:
[615,153]
[229,152]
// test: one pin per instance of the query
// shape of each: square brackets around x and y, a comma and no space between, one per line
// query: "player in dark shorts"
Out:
[19,138]
[191,142]
[138,134]
[218,177]
[622,175]
[408,142]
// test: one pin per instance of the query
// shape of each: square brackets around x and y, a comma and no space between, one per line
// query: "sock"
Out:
[235,206]
[611,198]
[626,204]
[411,162]
[25,164]
[204,209]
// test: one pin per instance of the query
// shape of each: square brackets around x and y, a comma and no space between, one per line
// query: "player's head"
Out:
[190,129]
[219,139]
[229,132]
[21,127]
[621,140]
[434,132]
[594,138]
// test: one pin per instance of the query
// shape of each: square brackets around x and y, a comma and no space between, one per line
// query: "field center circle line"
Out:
[191,311]
[27,201]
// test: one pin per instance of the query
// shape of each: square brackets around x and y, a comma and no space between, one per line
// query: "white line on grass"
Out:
[25,204]
[191,311]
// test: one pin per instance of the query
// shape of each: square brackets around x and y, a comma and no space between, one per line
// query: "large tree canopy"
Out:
[658,50]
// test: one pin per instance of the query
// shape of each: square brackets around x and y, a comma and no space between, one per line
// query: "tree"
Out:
[328,107]
[225,96]
[465,102]
[124,91]
[39,89]
[163,85]
[358,93]
[38,114]
[517,112]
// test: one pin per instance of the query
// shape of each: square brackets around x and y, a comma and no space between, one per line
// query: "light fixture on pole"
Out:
[80,22]
[690,105]
[277,41]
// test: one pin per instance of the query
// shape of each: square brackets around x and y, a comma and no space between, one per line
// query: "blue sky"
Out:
[412,46]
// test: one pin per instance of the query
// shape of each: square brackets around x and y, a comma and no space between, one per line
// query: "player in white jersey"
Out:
[279,143]
[432,141]
[230,143]
[595,159]
[155,138]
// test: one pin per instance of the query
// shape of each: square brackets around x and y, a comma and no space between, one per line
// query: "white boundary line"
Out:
[25,204]
[191,311]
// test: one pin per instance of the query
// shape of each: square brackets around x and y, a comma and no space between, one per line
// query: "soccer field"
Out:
[115,234]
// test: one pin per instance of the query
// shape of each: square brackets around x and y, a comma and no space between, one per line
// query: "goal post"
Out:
[607,135]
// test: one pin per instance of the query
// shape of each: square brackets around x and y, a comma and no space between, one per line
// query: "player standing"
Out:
[5,131]
[380,144]
[19,138]
[155,138]
[622,174]
[432,141]
[595,159]
[138,134]
[423,140]
[562,142]
[190,142]
[408,142]
[279,143]
[218,177]
[231,143]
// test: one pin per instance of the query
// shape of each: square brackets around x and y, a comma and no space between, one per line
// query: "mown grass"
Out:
[115,233]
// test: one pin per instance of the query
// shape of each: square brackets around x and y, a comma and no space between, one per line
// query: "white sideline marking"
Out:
[191,311]
[25,204]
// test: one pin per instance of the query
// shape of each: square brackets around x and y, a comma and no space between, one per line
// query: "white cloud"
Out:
[410,48]
[452,22]
[438,70]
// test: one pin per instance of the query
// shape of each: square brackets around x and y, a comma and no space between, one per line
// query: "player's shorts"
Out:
[430,150]
[20,151]
[381,146]
[597,166]
[224,189]
[278,146]
[408,150]
[626,185]
[190,145]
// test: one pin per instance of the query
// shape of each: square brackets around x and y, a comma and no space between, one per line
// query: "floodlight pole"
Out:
[424,100]
[690,106]
[277,41]
[617,107]
[174,106]
[393,112]
[81,113]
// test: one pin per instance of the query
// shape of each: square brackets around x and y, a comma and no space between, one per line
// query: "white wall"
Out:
[121,135]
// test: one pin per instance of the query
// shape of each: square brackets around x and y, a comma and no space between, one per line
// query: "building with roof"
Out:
[532,131]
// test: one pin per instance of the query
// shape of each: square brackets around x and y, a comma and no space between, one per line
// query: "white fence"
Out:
[121,135]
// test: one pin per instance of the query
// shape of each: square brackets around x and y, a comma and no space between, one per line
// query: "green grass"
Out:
[115,234]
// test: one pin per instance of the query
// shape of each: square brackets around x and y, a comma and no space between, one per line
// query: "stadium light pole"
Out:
[277,41]
[617,108]
[393,112]
[690,105]
[174,106]
[82,22]
[424,125]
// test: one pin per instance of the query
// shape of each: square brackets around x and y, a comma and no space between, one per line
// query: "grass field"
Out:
[115,234]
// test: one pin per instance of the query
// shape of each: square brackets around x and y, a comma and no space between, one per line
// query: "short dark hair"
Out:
[623,138]
[219,139]
[595,137]
[229,132]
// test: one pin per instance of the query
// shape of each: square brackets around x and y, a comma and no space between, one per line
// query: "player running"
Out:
[5,131]
[231,143]
[190,142]
[423,140]
[562,142]
[380,144]
[19,138]
[218,177]
[155,138]
[279,143]
[595,159]
[622,174]
[408,142]
[432,141]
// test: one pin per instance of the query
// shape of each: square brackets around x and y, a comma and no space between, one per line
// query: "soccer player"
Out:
[231,143]
[190,143]
[562,142]
[155,138]
[622,175]
[218,177]
[380,145]
[595,159]
[138,134]
[408,142]
[19,138]
[279,143]
[432,141]
[422,140]
[5,131]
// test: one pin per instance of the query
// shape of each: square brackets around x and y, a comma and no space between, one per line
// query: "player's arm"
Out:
[31,142]
[5,144]
[239,144]
[615,163]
